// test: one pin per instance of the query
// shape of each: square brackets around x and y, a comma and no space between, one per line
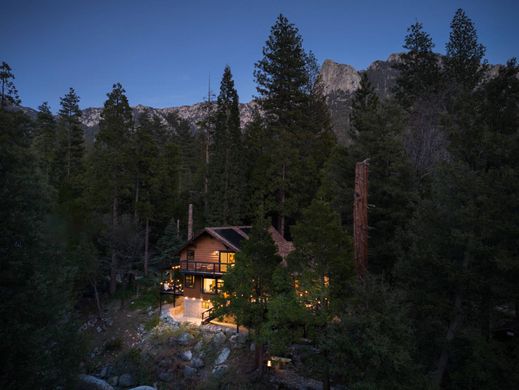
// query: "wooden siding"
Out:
[196,290]
[206,249]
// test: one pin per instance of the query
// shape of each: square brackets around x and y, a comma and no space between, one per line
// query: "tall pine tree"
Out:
[299,135]
[8,91]
[226,167]
[110,166]
[69,160]
[45,142]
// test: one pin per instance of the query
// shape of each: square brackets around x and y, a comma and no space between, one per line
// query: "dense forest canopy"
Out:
[439,307]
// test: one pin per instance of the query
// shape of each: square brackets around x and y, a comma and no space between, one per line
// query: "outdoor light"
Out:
[269,363]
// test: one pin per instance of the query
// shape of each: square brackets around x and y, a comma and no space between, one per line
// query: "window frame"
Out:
[217,287]
[189,285]
[225,266]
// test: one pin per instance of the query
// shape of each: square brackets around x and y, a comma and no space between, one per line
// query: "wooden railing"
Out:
[208,315]
[203,267]
[171,288]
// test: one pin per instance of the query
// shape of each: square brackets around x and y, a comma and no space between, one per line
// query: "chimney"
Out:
[190,222]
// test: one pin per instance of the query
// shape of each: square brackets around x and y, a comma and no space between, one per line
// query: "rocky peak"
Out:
[339,77]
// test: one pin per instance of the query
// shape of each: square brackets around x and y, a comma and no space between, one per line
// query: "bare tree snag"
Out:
[146,245]
[360,218]
[190,222]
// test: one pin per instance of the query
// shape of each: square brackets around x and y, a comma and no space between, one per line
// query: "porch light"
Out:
[269,363]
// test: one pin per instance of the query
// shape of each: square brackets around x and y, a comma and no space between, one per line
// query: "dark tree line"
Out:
[443,264]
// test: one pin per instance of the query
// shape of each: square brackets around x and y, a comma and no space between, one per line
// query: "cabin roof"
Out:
[232,237]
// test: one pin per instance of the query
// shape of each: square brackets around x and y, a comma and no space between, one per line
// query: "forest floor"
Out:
[133,345]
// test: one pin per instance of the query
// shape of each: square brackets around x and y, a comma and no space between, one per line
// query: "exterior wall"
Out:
[193,299]
[206,249]
[192,308]
[196,290]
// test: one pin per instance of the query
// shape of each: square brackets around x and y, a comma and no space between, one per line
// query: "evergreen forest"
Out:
[84,225]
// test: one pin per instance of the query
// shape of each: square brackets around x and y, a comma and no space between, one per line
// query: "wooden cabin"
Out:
[208,256]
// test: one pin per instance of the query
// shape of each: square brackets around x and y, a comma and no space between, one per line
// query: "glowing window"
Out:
[211,286]
[189,281]
[226,260]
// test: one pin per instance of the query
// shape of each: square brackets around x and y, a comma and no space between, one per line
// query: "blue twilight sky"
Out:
[163,51]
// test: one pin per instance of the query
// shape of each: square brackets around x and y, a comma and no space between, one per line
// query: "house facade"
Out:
[208,256]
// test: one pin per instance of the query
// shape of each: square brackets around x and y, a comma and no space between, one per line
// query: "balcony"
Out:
[203,267]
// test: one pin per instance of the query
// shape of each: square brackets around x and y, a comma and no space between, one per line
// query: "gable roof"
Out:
[233,236]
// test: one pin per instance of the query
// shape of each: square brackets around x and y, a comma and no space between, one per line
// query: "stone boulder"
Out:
[89,382]
[238,340]
[186,356]
[143,388]
[126,380]
[184,339]
[222,356]
[165,363]
[198,346]
[189,372]
[219,338]
[197,363]
[105,371]
[166,376]
[220,370]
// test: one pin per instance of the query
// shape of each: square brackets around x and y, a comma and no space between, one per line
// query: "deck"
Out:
[196,267]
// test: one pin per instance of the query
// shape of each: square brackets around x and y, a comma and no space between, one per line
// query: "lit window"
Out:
[206,305]
[189,281]
[211,286]
[226,260]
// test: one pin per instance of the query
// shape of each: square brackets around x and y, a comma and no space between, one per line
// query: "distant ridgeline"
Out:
[340,81]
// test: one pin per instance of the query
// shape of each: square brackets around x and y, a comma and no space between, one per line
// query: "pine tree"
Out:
[170,242]
[322,261]
[463,62]
[281,75]
[9,93]
[146,154]
[155,175]
[226,173]
[373,339]
[419,68]
[71,149]
[297,120]
[364,106]
[421,90]
[452,273]
[38,334]
[257,165]
[110,172]
[249,285]
[45,141]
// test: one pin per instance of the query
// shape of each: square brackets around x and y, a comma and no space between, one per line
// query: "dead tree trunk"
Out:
[135,215]
[190,222]
[360,218]
[113,264]
[93,282]
[146,244]
[282,199]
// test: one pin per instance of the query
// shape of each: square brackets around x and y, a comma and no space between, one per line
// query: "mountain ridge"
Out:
[340,81]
